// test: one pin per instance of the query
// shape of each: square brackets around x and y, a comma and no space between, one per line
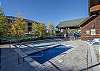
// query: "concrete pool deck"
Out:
[72,60]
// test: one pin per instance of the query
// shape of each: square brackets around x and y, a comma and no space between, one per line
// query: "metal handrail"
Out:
[90,67]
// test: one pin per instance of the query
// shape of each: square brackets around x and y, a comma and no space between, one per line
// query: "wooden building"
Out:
[90,27]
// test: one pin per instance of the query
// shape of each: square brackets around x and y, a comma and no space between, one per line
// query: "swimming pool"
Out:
[47,54]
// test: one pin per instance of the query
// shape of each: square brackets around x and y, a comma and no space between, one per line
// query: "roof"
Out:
[87,20]
[70,23]
[26,20]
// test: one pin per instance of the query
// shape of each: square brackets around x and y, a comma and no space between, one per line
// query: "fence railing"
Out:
[90,67]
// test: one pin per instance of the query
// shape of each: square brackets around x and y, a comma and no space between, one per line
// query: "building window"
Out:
[93,32]
[88,32]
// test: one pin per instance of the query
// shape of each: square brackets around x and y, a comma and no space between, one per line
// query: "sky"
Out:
[53,11]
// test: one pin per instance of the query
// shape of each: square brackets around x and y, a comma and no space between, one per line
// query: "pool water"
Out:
[47,54]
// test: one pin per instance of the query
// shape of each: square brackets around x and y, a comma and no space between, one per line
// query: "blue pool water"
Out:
[45,55]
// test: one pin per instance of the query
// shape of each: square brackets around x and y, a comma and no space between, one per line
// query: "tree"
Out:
[42,30]
[38,30]
[51,30]
[35,30]
[17,28]
[2,22]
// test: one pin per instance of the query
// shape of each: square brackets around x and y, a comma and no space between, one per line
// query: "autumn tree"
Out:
[35,30]
[17,28]
[42,30]
[2,22]
[38,30]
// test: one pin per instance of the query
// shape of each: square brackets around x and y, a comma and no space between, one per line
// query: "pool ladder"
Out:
[21,58]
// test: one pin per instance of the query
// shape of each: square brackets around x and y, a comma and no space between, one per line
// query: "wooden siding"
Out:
[94,24]
[94,2]
[95,8]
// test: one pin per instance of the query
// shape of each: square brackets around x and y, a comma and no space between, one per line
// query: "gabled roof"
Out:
[87,20]
[70,23]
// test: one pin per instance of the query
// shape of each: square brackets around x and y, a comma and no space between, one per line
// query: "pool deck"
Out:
[74,59]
